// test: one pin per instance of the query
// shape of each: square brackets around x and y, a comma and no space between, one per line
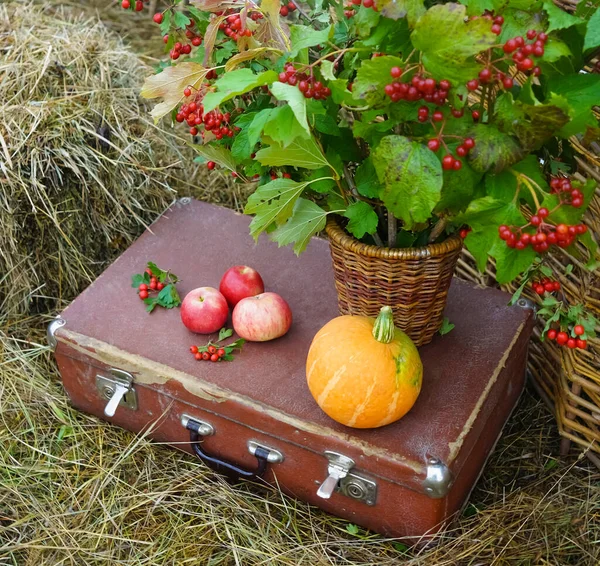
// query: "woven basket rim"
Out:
[336,233]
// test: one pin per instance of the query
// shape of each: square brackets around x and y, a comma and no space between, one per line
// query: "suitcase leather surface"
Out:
[473,376]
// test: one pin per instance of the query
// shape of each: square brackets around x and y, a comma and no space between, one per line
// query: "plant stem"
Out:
[301,11]
[438,228]
[392,230]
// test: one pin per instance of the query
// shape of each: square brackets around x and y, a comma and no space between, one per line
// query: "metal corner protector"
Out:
[53,326]
[438,480]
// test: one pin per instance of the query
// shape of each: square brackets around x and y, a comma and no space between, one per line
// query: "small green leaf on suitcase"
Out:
[225,333]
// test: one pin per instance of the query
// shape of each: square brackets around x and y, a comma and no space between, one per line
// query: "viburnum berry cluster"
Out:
[450,162]
[545,285]
[563,339]
[215,351]
[305,82]
[213,121]
[418,88]
[233,26]
[562,186]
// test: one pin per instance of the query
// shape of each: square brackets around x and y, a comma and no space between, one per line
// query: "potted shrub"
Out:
[401,127]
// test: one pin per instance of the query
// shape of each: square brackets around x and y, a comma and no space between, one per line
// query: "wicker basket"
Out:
[413,281]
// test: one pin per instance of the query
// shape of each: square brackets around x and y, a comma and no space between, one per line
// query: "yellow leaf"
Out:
[256,53]
[271,30]
[170,84]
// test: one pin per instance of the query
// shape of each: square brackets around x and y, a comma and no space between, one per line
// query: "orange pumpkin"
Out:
[363,372]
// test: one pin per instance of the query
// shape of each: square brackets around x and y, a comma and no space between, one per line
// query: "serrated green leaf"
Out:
[138,279]
[295,99]
[235,83]
[365,179]
[258,123]
[559,18]
[327,70]
[302,37]
[510,262]
[181,20]
[363,219]
[151,303]
[217,153]
[168,297]
[225,333]
[307,219]
[340,93]
[479,242]
[582,92]
[165,25]
[303,153]
[273,203]
[372,132]
[592,34]
[371,78]
[478,7]
[451,55]
[411,176]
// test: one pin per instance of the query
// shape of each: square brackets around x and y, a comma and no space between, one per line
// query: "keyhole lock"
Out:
[108,392]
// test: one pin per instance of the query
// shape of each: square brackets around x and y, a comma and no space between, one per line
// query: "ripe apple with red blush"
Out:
[204,310]
[263,317]
[239,282]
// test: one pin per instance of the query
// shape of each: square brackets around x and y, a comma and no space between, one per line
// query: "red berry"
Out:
[549,286]
[187,91]
[194,349]
[496,29]
[433,144]
[143,295]
[551,334]
[196,41]
[557,285]
[396,72]
[525,65]
[126,4]
[205,356]
[211,349]
[539,289]
[445,85]
[158,18]
[220,352]
[437,116]
[368,3]
[571,343]
[210,165]
[538,51]
[577,202]
[469,143]
[543,212]
[542,37]
[283,11]
[461,150]
[582,344]
[447,162]
[457,165]
[214,358]
[519,41]
[531,34]
[475,115]
[581,228]
[561,338]
[508,83]
[579,329]
[198,356]
[143,287]
[510,46]
[160,286]
[535,220]
[139,6]
[473,84]
[499,20]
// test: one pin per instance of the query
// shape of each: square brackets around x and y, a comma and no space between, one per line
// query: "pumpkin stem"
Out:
[383,329]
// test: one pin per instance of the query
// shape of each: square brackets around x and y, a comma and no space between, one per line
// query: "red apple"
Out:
[264,317]
[204,310]
[239,282]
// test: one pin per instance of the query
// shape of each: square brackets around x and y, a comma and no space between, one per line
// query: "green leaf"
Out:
[235,83]
[487,211]
[181,20]
[258,123]
[326,125]
[304,36]
[340,93]
[327,70]
[168,297]
[592,35]
[307,219]
[271,203]
[295,99]
[449,42]
[412,178]
[412,10]
[478,7]
[582,92]
[479,242]
[303,153]
[217,153]
[283,127]
[366,181]
[458,189]
[139,278]
[568,214]
[160,274]
[494,150]
[517,22]
[165,25]
[225,333]
[371,78]
[447,326]
[559,18]
[365,20]
[363,219]
[554,49]
[352,528]
[241,148]
[151,303]
[510,262]
[373,132]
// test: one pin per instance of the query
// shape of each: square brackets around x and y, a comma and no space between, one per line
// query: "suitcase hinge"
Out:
[438,480]
[345,481]
[117,389]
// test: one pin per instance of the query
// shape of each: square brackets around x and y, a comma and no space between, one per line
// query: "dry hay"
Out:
[82,167]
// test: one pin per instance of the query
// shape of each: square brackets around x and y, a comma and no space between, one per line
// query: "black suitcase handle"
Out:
[223,466]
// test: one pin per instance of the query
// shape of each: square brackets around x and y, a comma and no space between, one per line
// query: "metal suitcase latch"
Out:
[118,390]
[342,479]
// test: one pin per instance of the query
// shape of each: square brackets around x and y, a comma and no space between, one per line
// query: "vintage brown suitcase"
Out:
[255,416]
